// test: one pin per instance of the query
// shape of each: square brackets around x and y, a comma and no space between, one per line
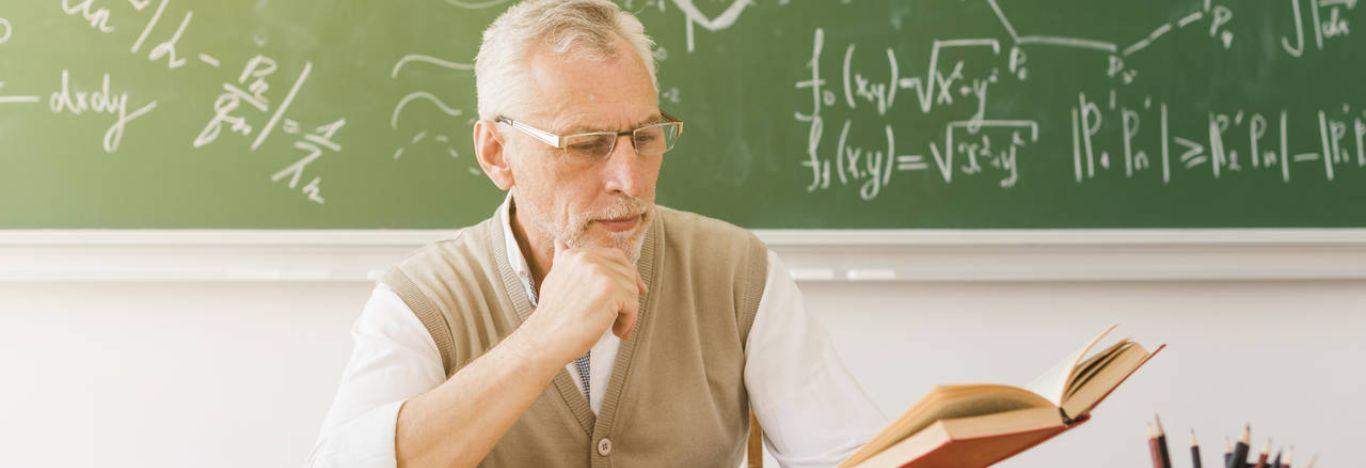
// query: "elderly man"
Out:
[581,324]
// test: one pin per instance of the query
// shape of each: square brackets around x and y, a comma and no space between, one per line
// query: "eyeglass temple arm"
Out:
[549,138]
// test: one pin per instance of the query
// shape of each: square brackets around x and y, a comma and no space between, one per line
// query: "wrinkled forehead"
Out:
[571,94]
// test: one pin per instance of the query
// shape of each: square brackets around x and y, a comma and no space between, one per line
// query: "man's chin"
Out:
[629,242]
[626,242]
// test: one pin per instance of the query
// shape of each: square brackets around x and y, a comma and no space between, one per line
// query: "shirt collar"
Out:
[514,251]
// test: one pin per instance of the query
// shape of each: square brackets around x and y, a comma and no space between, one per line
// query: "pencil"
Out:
[1239,459]
[1289,454]
[1162,443]
[1195,451]
[1261,457]
[1152,447]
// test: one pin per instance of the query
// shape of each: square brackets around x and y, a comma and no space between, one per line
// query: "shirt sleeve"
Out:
[790,362]
[394,359]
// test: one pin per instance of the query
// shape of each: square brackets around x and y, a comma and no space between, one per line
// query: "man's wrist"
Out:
[534,344]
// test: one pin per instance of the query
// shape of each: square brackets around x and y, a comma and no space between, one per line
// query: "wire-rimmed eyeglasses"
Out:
[650,140]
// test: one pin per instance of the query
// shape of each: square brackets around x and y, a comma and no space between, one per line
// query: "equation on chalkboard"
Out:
[801,114]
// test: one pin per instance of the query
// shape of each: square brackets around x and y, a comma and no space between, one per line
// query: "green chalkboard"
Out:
[313,114]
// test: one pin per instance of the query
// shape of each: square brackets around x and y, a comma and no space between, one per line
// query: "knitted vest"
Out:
[676,396]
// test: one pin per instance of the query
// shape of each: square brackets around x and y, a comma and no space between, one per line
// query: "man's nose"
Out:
[624,169]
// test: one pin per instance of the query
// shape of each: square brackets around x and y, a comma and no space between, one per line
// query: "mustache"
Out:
[623,207]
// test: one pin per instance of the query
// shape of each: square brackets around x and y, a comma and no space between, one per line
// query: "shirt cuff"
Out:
[366,441]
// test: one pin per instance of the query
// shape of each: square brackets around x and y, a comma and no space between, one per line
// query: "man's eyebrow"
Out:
[652,119]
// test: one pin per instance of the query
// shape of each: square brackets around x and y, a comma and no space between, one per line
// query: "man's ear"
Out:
[489,150]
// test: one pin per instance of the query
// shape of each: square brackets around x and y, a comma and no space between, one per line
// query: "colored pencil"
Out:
[1239,459]
[1153,451]
[1262,457]
[1195,451]
[1162,443]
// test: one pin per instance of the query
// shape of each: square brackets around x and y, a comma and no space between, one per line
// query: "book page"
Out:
[1052,385]
[1105,379]
[1095,364]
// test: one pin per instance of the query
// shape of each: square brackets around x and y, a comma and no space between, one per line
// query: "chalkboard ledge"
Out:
[811,255]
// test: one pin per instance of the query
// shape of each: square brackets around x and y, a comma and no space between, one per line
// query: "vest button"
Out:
[605,447]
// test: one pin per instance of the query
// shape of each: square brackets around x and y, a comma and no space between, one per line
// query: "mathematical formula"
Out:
[1122,132]
[864,112]
[160,29]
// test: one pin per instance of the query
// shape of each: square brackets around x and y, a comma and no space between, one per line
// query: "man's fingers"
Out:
[611,255]
[629,274]
[617,262]
[626,321]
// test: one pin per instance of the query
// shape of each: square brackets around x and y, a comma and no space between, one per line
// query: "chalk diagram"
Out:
[5,30]
[428,99]
[695,18]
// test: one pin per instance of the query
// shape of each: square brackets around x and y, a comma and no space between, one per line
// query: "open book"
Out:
[978,425]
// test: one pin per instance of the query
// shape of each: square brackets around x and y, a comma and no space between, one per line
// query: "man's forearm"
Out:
[458,423]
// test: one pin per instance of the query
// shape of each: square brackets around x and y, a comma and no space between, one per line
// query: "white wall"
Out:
[169,375]
[240,374]
[213,349]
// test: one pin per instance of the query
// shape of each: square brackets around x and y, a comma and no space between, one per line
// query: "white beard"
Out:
[629,242]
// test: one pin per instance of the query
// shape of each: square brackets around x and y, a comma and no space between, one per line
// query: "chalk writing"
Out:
[96,17]
[5,30]
[313,144]
[103,100]
[1001,99]
[1327,19]
[250,87]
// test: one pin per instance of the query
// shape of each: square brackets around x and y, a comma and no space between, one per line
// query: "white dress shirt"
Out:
[812,410]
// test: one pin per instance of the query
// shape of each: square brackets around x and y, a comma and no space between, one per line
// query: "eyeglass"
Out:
[586,148]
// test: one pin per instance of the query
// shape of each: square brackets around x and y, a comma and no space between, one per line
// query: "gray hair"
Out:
[584,29]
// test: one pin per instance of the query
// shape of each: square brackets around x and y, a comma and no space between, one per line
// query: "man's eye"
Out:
[588,146]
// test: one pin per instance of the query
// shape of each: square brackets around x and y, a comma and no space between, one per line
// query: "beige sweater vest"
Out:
[676,395]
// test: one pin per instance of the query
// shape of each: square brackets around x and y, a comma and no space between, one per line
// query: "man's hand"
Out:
[587,290]
[456,424]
